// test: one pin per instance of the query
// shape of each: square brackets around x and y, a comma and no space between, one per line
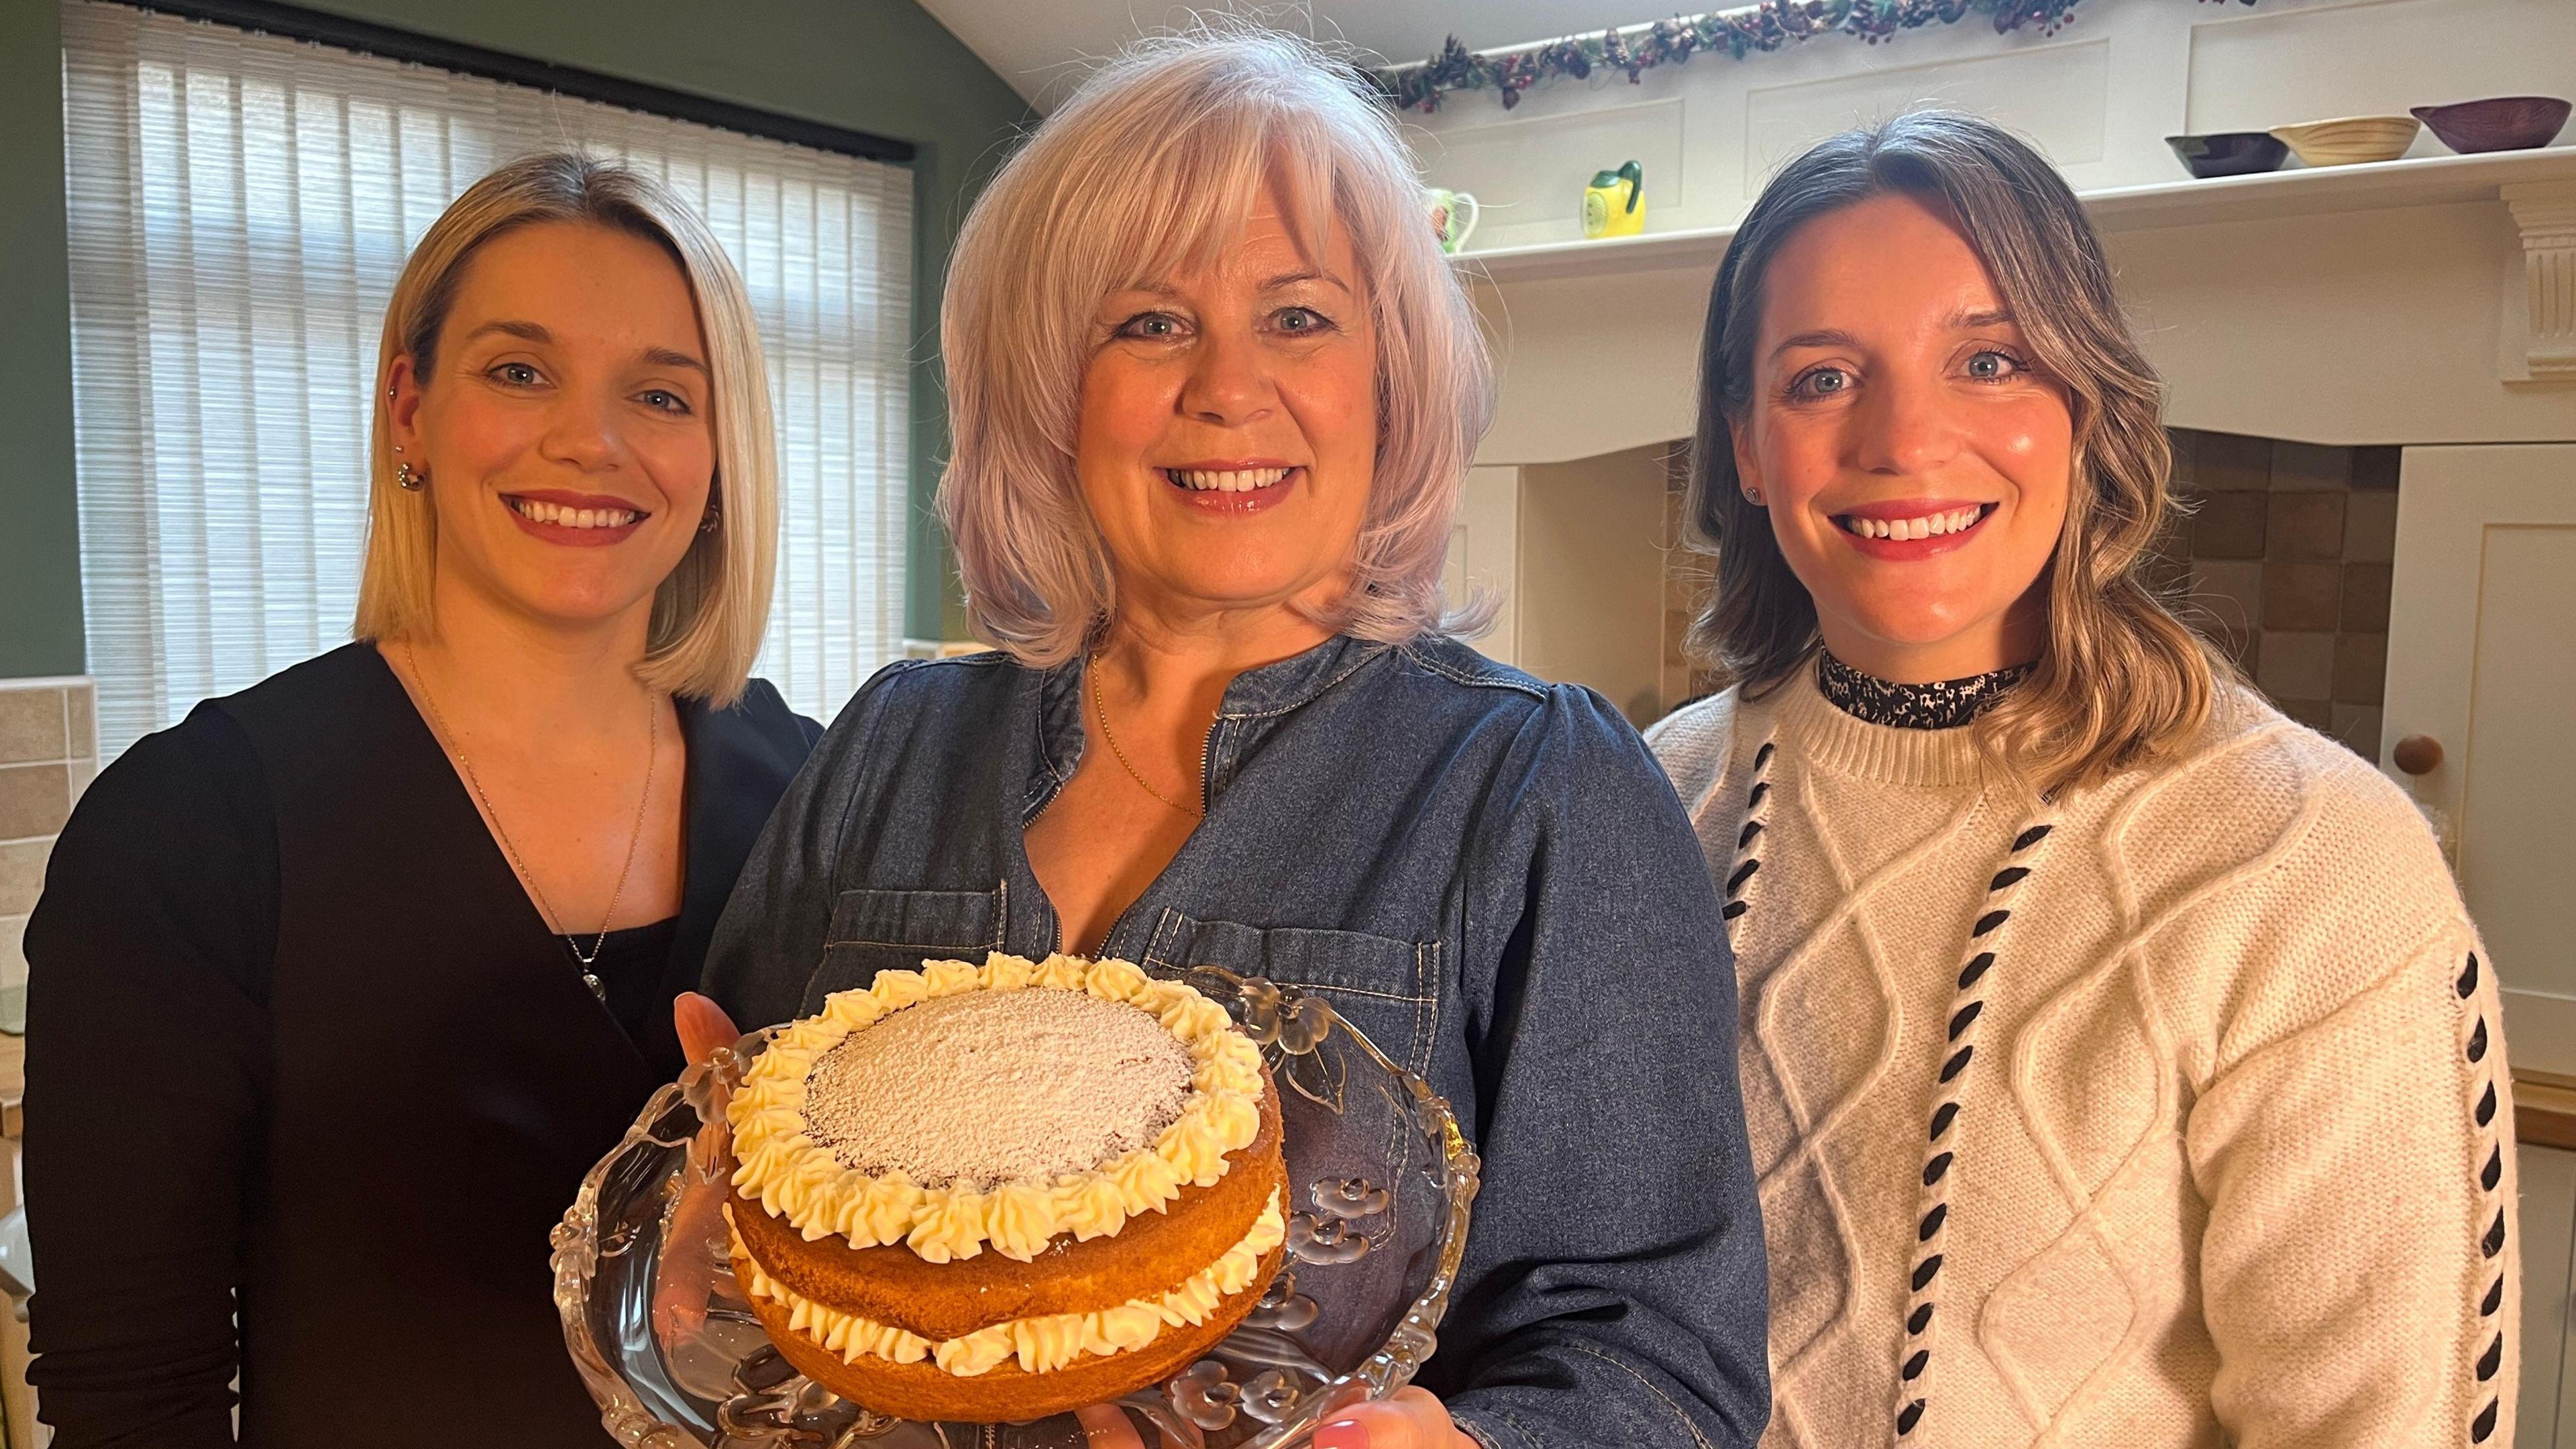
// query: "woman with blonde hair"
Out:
[2121,1066]
[342,983]
[1214,390]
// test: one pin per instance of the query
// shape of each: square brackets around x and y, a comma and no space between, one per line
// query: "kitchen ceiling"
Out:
[1042,47]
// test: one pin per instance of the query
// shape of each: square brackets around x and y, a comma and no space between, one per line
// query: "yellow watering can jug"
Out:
[1615,203]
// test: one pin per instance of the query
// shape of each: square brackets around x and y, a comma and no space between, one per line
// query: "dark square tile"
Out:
[2230,463]
[2316,714]
[2304,526]
[2360,668]
[2374,468]
[2365,598]
[2306,467]
[2230,525]
[2302,595]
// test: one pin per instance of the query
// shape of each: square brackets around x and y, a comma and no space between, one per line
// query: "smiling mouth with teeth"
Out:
[1229,480]
[1930,525]
[536,511]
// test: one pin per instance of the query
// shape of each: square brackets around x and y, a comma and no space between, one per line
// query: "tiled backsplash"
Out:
[48,751]
[2283,560]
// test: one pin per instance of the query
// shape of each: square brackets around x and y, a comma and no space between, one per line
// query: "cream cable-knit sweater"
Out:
[2181,1121]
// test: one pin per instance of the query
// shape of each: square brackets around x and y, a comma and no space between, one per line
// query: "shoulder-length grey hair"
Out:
[1147,170]
[2121,679]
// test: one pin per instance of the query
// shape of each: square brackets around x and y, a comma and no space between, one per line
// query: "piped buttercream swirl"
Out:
[782,1167]
[1040,1345]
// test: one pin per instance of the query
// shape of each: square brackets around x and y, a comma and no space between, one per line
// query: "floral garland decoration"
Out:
[1767,25]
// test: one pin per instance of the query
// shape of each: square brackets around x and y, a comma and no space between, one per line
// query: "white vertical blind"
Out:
[240,206]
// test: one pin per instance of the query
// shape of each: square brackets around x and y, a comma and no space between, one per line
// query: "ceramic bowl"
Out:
[2500,123]
[2350,140]
[2229,153]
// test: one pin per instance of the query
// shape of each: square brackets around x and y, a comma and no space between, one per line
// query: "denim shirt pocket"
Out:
[1386,987]
[882,930]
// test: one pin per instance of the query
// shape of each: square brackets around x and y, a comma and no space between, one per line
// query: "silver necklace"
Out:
[635,838]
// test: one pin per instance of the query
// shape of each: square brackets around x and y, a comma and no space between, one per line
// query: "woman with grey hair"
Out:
[1214,390]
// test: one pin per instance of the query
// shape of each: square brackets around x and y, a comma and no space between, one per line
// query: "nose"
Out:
[582,432]
[1903,428]
[1229,383]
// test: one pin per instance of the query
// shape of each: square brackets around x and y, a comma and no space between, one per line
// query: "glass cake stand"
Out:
[1379,1176]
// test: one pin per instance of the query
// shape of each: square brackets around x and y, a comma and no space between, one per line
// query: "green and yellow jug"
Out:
[1615,203]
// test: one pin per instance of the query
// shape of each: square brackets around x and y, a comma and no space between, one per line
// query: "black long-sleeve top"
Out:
[299,1043]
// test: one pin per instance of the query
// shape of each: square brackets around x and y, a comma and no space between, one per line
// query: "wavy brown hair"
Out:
[2121,680]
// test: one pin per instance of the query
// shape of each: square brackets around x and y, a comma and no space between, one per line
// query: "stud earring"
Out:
[408,478]
[1753,496]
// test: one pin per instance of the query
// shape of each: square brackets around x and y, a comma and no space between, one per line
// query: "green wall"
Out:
[871,65]
[40,605]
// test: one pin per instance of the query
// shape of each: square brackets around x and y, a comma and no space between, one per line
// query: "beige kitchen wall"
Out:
[48,752]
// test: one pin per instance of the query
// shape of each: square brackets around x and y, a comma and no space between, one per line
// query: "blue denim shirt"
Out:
[1490,876]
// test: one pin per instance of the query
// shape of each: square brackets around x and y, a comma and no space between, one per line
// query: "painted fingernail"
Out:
[1343,1434]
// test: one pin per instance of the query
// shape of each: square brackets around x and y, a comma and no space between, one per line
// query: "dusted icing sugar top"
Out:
[794,1175]
[986,1088]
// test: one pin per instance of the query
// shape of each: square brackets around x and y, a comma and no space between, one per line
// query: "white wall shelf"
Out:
[2328,190]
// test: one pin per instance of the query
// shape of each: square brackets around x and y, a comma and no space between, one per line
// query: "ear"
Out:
[1748,463]
[402,408]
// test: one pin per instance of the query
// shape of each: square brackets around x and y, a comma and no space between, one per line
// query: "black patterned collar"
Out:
[1942,706]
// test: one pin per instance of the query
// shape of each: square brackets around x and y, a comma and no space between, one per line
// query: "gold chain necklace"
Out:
[1100,706]
[652,751]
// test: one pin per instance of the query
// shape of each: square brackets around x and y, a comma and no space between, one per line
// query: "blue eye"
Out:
[1993,365]
[1820,382]
[1151,326]
[1301,320]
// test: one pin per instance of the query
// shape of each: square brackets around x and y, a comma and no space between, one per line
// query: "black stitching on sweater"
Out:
[2490,1360]
[1913,1415]
[1942,1117]
[1743,873]
[2493,1242]
[2469,977]
[1760,789]
[1989,921]
[1934,1170]
[1967,1014]
[1958,1061]
[1914,1365]
[2009,875]
[2494,1299]
[1921,1320]
[2031,837]
[1731,910]
[1762,756]
[1926,1271]
[1977,965]
[2494,1171]
[1932,1224]
[1744,837]
[2484,1424]
[2487,1106]
[2478,1041]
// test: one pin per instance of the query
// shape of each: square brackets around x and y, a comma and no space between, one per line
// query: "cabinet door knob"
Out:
[2418,754]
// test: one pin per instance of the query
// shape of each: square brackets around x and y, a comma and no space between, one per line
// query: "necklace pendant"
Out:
[596,989]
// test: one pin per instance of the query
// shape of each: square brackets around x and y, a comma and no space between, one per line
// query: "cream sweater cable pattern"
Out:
[2174,1114]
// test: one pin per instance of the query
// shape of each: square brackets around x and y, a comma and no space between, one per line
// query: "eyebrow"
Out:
[1836,337]
[1290,279]
[532,332]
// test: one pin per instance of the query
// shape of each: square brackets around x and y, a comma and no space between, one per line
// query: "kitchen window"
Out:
[239,207]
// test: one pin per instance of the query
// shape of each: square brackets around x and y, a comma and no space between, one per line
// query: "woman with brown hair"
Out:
[2120,1064]
[344,981]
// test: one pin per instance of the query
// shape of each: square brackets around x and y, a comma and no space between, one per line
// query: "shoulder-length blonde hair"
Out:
[1147,170]
[709,614]
[2121,680]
